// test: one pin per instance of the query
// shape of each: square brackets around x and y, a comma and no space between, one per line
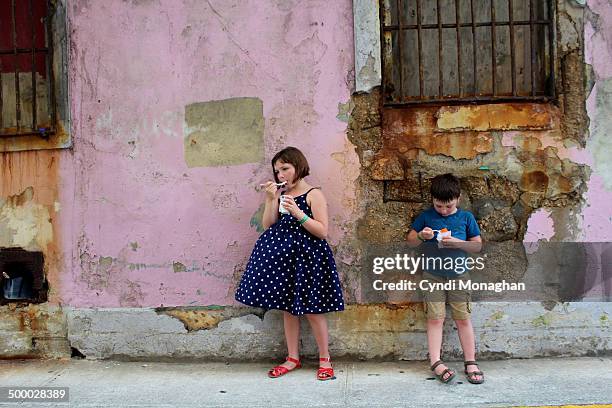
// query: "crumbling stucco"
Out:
[367,45]
[33,331]
[209,317]
[512,158]
[24,223]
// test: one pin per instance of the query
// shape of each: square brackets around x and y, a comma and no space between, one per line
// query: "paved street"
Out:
[509,383]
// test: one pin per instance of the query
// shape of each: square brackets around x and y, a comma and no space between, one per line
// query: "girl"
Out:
[292,267]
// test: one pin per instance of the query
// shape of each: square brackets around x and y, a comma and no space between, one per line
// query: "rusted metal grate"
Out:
[441,51]
[27,100]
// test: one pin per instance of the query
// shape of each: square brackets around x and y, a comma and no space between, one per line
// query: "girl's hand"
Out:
[292,207]
[272,192]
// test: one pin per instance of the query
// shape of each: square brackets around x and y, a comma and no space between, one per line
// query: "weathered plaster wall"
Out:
[528,174]
[154,212]
[597,213]
[179,107]
[34,207]
[517,161]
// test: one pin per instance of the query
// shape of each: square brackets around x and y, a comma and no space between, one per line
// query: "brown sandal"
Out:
[443,373]
[470,375]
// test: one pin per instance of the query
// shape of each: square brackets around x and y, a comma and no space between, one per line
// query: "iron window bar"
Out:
[32,128]
[462,96]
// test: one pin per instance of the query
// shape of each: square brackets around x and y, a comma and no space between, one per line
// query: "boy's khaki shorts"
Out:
[435,301]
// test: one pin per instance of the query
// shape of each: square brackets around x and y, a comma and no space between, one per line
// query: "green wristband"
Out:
[421,238]
[304,219]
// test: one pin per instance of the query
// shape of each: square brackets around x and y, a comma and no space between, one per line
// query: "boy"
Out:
[464,236]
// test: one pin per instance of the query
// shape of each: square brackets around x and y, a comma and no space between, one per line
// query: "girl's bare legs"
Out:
[292,335]
[318,323]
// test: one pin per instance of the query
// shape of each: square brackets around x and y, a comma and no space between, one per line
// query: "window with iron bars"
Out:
[27,100]
[445,51]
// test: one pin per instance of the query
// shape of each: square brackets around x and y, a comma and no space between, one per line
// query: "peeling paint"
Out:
[205,318]
[24,223]
[540,226]
[367,47]
[600,144]
[178,267]
[495,117]
[344,111]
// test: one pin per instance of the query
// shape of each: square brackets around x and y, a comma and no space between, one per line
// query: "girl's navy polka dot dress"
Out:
[292,270]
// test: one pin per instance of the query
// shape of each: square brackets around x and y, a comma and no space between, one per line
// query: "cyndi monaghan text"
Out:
[467,284]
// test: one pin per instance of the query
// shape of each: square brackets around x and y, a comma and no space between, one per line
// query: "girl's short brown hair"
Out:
[294,157]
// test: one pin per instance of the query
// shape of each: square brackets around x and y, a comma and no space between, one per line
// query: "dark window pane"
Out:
[484,60]
[409,12]
[410,65]
[26,102]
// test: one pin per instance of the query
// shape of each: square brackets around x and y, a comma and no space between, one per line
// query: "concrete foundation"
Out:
[503,330]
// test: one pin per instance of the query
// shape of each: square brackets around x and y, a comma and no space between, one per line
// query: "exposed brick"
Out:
[498,225]
[387,167]
[458,146]
[534,181]
[405,190]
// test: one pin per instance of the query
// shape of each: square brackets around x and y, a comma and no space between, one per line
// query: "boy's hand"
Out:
[452,242]
[427,233]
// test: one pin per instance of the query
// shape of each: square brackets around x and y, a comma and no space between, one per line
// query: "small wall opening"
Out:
[22,278]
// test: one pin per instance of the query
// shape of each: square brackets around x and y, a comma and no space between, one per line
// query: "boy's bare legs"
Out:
[292,335]
[466,337]
[318,323]
[434,343]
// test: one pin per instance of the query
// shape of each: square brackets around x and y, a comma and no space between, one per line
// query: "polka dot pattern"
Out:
[292,270]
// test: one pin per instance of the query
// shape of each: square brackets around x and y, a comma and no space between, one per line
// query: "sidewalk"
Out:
[509,383]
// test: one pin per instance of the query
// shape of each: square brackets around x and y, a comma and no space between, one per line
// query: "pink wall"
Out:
[131,207]
[597,212]
[134,67]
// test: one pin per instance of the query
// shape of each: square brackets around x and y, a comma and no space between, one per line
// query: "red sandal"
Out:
[325,373]
[280,370]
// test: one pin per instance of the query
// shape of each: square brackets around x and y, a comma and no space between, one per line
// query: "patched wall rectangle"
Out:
[224,133]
